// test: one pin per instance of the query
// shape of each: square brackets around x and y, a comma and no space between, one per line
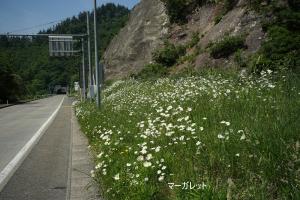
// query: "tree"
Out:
[26,68]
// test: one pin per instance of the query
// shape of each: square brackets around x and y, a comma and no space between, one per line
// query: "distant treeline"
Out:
[26,68]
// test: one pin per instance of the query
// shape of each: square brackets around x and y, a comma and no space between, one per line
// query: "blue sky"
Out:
[19,14]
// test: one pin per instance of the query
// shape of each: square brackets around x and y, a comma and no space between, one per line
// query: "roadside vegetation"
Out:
[178,10]
[227,46]
[231,136]
[208,134]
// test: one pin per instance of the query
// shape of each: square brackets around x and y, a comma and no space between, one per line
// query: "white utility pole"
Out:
[98,96]
[83,72]
[91,82]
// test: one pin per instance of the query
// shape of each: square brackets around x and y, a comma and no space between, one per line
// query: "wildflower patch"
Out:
[185,138]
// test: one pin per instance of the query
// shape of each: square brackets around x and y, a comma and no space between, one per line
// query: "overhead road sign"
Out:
[61,46]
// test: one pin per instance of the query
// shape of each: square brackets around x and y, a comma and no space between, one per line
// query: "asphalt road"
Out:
[19,123]
[44,173]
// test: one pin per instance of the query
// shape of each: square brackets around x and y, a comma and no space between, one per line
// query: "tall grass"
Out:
[230,136]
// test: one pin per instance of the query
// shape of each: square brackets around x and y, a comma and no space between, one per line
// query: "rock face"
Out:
[132,48]
[149,25]
[238,21]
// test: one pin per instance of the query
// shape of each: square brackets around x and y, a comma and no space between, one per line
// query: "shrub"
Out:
[240,59]
[289,19]
[282,47]
[11,85]
[218,18]
[188,58]
[294,4]
[152,71]
[169,55]
[280,41]
[227,46]
[227,5]
[194,41]
[179,9]
[187,71]
[259,63]
[255,5]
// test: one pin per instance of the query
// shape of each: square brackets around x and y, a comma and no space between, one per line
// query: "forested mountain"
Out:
[26,68]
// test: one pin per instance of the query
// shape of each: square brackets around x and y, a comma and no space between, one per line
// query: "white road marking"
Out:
[14,164]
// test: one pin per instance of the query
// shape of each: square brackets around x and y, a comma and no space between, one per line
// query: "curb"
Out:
[80,186]
[6,105]
[68,192]
[15,163]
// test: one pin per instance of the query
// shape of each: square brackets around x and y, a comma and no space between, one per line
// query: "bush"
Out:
[218,18]
[227,46]
[11,85]
[190,58]
[282,48]
[152,71]
[194,41]
[294,4]
[289,19]
[280,41]
[259,63]
[179,9]
[240,59]
[227,5]
[169,55]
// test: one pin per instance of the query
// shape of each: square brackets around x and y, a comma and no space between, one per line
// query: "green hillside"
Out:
[27,70]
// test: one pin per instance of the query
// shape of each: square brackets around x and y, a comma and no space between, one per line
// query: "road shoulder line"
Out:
[15,163]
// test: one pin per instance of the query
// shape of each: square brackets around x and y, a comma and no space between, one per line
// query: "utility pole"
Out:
[98,96]
[91,82]
[83,72]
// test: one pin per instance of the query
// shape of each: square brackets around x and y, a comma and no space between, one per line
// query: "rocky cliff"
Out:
[149,25]
[239,21]
[131,49]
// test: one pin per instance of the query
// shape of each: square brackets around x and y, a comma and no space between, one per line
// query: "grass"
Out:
[231,136]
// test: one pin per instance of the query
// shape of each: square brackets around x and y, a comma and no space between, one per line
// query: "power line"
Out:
[33,27]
